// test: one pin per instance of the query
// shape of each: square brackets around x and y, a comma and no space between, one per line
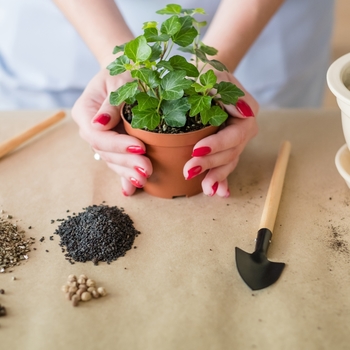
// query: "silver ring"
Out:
[96,155]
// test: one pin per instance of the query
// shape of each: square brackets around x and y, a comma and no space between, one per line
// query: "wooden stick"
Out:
[16,141]
[275,189]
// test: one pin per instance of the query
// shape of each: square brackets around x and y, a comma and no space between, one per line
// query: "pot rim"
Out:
[335,78]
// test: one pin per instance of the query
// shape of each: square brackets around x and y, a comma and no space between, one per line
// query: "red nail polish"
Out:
[201,151]
[227,193]
[141,171]
[124,193]
[135,182]
[214,188]
[136,150]
[103,119]
[244,108]
[194,172]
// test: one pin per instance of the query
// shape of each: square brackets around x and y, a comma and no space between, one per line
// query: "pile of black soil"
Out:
[99,233]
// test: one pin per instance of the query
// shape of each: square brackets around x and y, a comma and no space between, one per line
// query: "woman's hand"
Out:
[219,153]
[99,125]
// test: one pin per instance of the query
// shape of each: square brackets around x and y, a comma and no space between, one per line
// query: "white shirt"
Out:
[45,64]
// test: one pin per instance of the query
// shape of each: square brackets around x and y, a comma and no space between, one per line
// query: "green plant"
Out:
[167,90]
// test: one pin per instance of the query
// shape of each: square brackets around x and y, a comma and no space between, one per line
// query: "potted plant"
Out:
[172,102]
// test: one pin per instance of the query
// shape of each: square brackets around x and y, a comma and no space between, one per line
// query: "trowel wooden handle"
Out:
[16,141]
[273,197]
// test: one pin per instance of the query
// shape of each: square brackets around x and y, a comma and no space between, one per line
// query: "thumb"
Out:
[107,117]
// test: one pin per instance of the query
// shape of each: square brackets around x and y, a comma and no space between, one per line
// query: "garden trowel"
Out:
[255,269]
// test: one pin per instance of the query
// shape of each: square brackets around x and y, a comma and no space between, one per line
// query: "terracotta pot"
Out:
[168,154]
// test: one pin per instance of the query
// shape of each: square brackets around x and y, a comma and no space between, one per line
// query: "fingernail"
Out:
[201,151]
[136,150]
[227,193]
[244,108]
[214,188]
[141,171]
[124,193]
[103,119]
[194,172]
[135,182]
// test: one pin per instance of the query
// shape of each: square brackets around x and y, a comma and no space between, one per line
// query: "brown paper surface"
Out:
[180,289]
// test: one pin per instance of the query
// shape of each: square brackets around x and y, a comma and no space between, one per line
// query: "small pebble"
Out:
[75,300]
[86,296]
[101,291]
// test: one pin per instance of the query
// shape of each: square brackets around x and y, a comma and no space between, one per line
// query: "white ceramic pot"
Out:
[338,80]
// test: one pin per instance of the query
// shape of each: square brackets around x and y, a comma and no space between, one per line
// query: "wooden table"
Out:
[180,288]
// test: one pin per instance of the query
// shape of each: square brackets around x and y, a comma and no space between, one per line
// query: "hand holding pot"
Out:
[99,125]
[219,153]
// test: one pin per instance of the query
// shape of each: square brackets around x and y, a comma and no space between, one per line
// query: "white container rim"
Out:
[335,78]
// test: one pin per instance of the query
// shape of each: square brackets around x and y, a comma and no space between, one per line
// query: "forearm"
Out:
[99,23]
[236,25]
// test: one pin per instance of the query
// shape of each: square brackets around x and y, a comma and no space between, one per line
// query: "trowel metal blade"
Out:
[256,270]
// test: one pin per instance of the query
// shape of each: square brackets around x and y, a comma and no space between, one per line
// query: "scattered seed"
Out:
[2,310]
[75,300]
[101,291]
[86,296]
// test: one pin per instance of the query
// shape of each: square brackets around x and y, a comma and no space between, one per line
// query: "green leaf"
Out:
[188,49]
[152,35]
[186,35]
[199,103]
[199,88]
[174,112]
[211,51]
[229,93]
[138,50]
[119,48]
[149,24]
[180,63]
[218,65]
[208,79]
[190,91]
[171,9]
[199,10]
[142,119]
[118,66]
[156,52]
[200,24]
[214,116]
[166,65]
[192,11]
[144,101]
[201,55]
[173,85]
[126,91]
[170,26]
[148,76]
